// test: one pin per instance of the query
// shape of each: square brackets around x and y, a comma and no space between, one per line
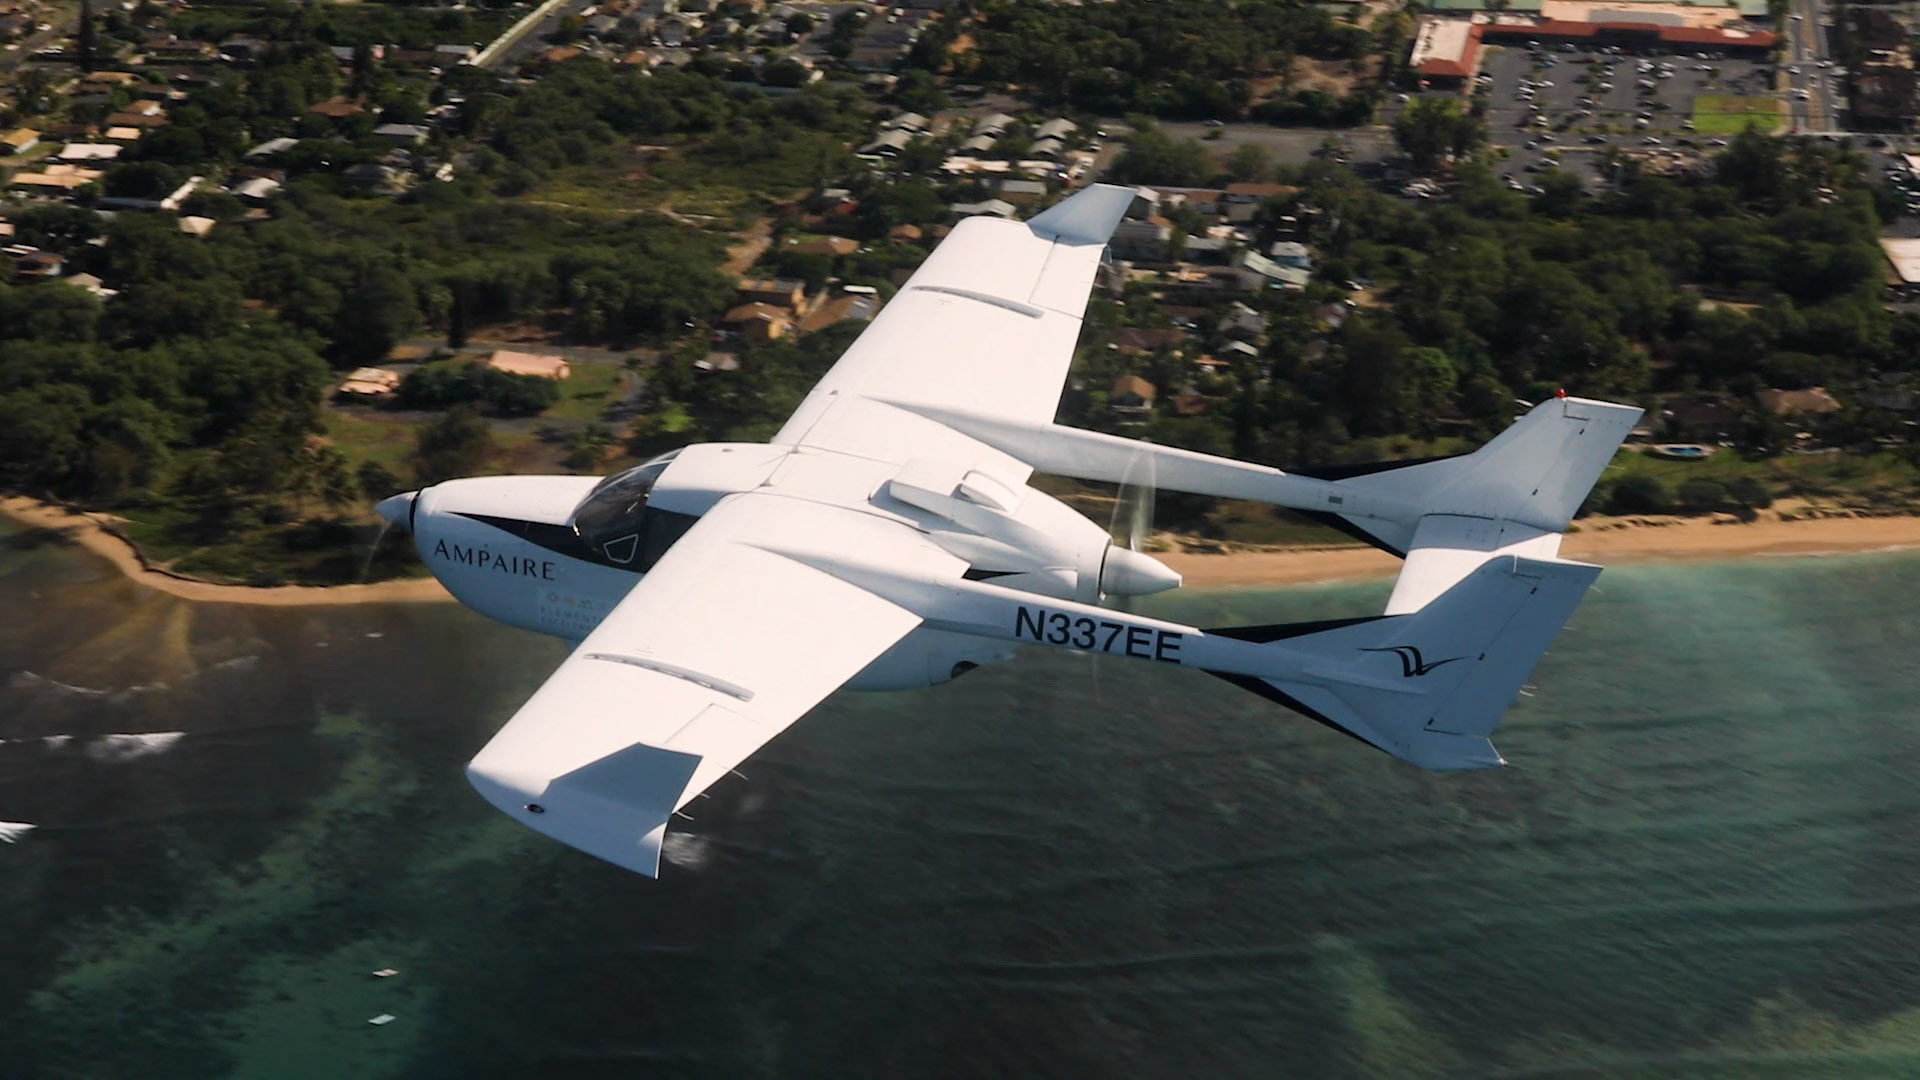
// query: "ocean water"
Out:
[1701,862]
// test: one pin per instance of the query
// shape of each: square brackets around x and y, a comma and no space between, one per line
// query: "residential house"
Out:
[256,191]
[19,140]
[907,121]
[336,108]
[1291,253]
[273,146]
[92,285]
[1141,240]
[518,363]
[788,293]
[90,151]
[1240,202]
[370,382]
[1701,418]
[32,264]
[370,178]
[889,143]
[1055,129]
[1238,350]
[999,208]
[1243,322]
[822,245]
[1023,192]
[401,134]
[1286,277]
[758,321]
[1131,397]
[57,180]
[861,307]
[1813,401]
[995,125]
[1208,250]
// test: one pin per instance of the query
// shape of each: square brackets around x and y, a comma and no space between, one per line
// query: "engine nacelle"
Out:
[927,658]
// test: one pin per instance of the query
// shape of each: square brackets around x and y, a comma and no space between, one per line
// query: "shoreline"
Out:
[1608,541]
[1603,540]
[94,533]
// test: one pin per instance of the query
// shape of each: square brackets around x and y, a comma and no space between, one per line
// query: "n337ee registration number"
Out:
[1095,635]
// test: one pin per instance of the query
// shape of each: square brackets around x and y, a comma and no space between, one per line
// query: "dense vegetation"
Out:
[1173,58]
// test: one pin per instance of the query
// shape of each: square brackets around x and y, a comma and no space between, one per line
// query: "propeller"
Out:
[1132,522]
[396,515]
[1130,527]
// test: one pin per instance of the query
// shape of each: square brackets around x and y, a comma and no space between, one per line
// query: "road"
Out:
[18,53]
[1807,47]
[1287,145]
[512,47]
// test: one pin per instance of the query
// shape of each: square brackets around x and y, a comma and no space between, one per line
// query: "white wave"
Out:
[238,663]
[23,679]
[55,742]
[12,831]
[117,748]
[685,851]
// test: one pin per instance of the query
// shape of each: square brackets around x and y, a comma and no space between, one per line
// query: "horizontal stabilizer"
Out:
[1088,216]
[1535,473]
[1429,687]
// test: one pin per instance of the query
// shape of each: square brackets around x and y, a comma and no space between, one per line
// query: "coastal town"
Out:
[1252,298]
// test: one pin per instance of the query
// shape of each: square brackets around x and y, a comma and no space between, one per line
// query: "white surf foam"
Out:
[12,831]
[686,852]
[117,748]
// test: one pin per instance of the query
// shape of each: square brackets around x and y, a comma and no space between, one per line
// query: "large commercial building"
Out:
[1446,51]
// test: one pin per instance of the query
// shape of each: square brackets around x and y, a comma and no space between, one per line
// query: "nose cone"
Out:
[397,510]
[1132,573]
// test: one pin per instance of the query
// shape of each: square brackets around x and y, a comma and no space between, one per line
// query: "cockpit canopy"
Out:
[616,527]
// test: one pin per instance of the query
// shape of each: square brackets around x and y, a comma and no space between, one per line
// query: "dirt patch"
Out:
[746,251]
[1333,76]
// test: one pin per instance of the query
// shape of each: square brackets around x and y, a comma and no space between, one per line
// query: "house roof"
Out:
[755,312]
[1814,399]
[519,363]
[823,245]
[840,309]
[1133,385]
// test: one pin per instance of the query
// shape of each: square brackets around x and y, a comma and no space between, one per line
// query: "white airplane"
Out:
[887,538]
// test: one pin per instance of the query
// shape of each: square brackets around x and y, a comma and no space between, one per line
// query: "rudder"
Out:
[1429,687]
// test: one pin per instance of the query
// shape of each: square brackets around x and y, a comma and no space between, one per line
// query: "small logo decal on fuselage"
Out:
[1412,665]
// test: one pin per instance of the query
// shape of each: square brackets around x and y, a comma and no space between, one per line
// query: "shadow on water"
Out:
[1699,864]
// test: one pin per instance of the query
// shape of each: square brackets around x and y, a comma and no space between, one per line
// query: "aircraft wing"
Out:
[987,324]
[714,652]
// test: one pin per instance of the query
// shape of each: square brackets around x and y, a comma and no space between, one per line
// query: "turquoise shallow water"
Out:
[1700,864]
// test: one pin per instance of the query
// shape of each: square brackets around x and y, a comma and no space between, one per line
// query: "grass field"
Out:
[1725,114]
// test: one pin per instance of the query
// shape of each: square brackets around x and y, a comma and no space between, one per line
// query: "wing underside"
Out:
[717,650]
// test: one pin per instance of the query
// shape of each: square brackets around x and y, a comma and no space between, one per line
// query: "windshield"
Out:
[613,523]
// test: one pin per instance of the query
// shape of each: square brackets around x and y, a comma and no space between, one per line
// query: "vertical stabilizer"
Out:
[1429,687]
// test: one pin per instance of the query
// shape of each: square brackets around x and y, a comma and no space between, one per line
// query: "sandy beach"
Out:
[91,532]
[1606,541]
[1600,540]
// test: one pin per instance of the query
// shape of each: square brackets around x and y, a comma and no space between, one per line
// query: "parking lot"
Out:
[1559,107]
